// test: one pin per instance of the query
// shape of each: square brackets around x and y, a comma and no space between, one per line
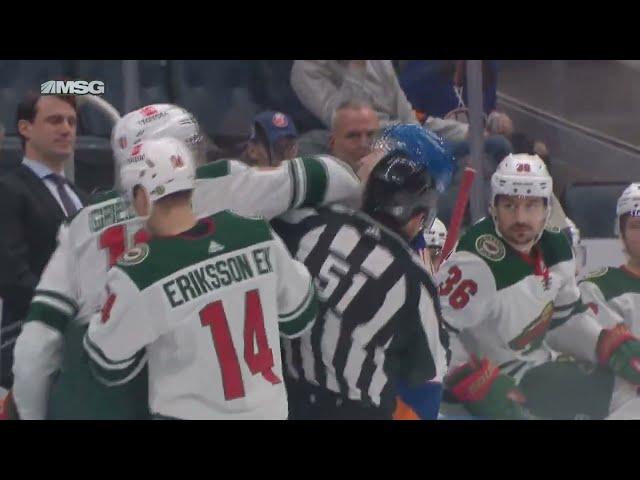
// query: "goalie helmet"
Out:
[164,166]
[521,175]
[155,121]
[628,203]
[436,235]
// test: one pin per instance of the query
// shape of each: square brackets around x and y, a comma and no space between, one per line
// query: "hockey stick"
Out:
[458,214]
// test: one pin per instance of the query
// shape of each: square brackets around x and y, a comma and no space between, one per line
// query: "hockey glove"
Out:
[618,349]
[486,392]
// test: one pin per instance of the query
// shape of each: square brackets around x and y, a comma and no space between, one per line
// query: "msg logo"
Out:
[72,87]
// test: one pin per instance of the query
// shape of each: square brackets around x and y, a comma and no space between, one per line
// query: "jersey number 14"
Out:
[260,361]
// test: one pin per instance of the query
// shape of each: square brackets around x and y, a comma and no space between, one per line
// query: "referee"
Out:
[378,329]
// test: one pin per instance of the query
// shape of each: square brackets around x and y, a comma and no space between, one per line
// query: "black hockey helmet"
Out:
[398,188]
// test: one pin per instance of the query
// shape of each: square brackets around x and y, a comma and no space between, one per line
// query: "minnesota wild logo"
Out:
[490,247]
[533,334]
[135,255]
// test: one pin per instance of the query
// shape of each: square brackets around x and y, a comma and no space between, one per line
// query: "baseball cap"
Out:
[275,125]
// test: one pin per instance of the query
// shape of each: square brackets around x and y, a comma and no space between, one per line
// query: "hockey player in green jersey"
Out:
[613,293]
[51,380]
[509,296]
[195,294]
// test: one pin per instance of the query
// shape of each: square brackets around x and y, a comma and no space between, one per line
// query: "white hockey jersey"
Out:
[72,284]
[503,305]
[205,308]
[613,295]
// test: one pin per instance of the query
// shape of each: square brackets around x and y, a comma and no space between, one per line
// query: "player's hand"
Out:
[486,392]
[618,349]
[8,410]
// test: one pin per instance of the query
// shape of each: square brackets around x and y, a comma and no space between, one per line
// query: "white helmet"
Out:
[163,166]
[522,175]
[629,202]
[155,121]
[436,235]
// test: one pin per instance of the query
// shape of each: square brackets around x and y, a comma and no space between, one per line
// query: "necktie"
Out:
[69,207]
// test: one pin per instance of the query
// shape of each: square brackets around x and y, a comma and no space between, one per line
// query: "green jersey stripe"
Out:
[94,351]
[284,317]
[56,304]
[58,296]
[299,182]
[316,179]
[294,185]
[112,377]
[49,315]
[213,170]
[295,328]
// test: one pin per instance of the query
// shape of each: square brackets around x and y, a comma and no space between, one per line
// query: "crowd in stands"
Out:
[266,111]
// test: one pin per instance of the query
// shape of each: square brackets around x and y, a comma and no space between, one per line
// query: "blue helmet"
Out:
[422,146]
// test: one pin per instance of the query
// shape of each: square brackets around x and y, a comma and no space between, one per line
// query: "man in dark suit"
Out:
[34,199]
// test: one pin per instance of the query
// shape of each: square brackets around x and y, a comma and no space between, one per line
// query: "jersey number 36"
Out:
[459,296]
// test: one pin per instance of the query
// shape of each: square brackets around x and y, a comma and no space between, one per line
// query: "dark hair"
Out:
[28,108]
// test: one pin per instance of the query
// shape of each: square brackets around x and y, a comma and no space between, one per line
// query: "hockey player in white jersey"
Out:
[71,286]
[507,292]
[613,293]
[195,295]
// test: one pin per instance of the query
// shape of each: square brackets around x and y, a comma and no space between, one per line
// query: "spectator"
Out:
[270,88]
[34,199]
[499,123]
[273,139]
[322,85]
[430,85]
[353,126]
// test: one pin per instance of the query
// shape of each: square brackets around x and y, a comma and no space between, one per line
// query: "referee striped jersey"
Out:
[379,316]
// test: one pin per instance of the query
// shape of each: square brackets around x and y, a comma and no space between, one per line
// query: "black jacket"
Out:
[29,220]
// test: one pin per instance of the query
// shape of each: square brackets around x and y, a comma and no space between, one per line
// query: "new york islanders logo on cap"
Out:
[280,120]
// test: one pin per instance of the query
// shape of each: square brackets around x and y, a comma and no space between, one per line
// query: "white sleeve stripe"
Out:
[102,360]
[300,308]
[133,374]
[55,304]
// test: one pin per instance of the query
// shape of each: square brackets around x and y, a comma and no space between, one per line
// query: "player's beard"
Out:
[520,235]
